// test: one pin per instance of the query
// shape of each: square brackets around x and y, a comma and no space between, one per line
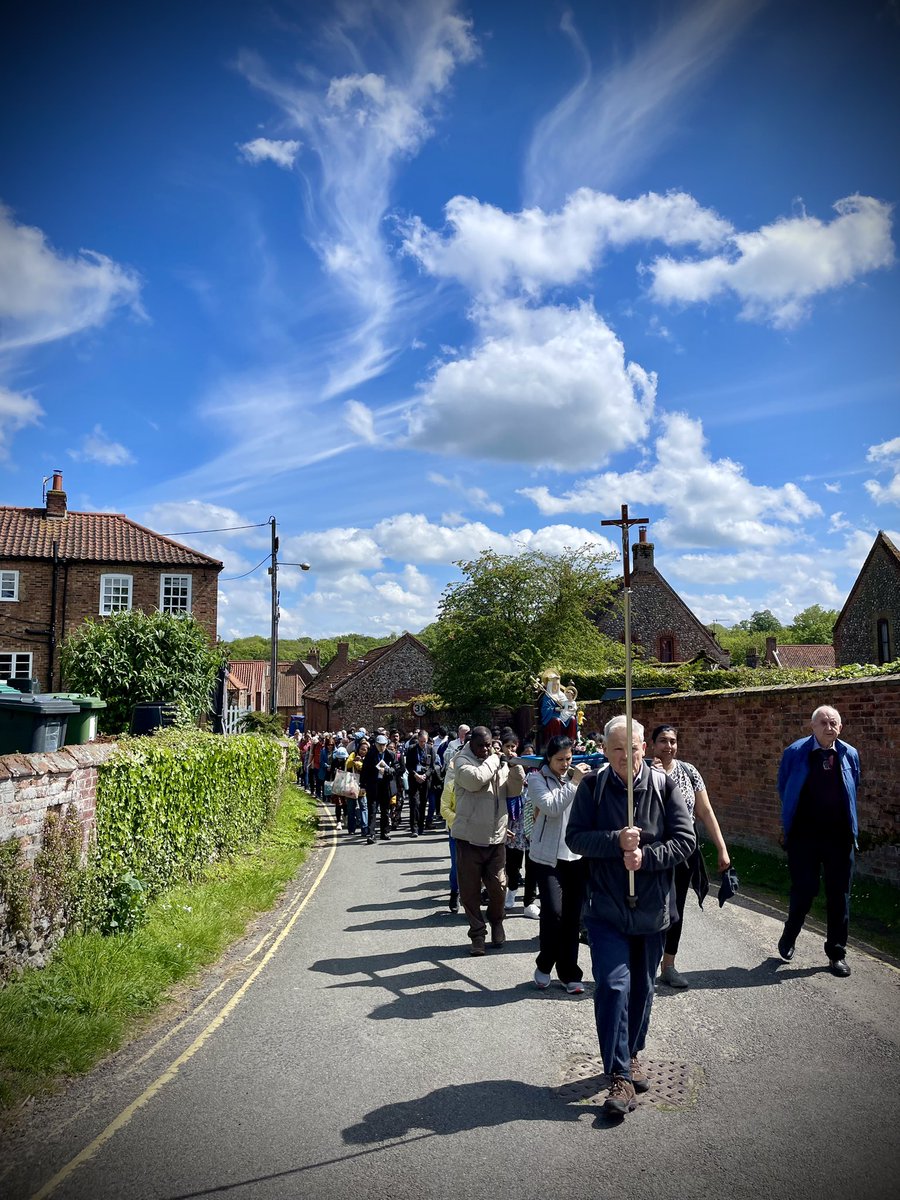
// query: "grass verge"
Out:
[63,1019]
[874,905]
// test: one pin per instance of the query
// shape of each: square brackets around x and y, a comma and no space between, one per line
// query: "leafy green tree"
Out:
[511,616]
[135,657]
[762,621]
[813,626]
[290,649]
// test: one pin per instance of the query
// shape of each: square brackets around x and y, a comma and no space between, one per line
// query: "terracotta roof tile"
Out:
[91,537]
[252,673]
[800,657]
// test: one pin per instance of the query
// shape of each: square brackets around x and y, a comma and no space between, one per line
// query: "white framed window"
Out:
[175,593]
[14,665]
[9,585]
[115,594]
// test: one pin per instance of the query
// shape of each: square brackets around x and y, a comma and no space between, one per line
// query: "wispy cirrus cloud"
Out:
[357,127]
[17,411]
[475,497]
[615,117]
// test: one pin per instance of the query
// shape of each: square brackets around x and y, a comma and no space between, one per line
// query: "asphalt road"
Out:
[365,1054]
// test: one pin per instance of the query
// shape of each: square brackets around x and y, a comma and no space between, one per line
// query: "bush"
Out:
[135,657]
[169,805]
[263,722]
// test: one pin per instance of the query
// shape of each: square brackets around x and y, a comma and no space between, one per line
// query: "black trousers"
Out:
[562,894]
[810,858]
[418,803]
[682,884]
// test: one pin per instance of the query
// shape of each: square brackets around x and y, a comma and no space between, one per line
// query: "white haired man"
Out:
[627,939]
[817,780]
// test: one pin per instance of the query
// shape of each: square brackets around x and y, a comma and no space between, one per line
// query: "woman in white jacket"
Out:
[560,873]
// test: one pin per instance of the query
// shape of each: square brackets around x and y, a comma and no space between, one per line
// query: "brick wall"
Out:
[736,739]
[78,597]
[31,785]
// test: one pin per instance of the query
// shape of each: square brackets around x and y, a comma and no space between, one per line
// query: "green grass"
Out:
[874,905]
[62,1020]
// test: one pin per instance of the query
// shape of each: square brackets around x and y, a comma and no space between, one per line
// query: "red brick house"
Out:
[59,567]
[662,625]
[868,627]
[344,694]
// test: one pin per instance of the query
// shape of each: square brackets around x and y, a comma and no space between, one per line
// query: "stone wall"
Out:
[31,786]
[406,670]
[876,597]
[736,739]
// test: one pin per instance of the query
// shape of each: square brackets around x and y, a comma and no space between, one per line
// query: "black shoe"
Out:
[412,833]
[385,837]
[369,840]
[839,967]
[454,902]
[785,948]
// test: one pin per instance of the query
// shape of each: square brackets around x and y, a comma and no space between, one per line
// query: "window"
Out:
[884,641]
[115,594]
[9,585]
[14,665]
[175,593]
[666,649]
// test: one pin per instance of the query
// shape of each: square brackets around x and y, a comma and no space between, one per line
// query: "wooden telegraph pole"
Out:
[624,523]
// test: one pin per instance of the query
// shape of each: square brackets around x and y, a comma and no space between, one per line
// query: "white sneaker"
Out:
[576,988]
[340,826]
[541,980]
[511,898]
[533,911]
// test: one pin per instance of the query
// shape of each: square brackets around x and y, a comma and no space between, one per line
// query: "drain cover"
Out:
[673,1085]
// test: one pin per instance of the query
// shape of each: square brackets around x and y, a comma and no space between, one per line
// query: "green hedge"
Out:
[170,804]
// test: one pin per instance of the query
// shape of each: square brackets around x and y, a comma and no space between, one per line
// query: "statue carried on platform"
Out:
[558,706]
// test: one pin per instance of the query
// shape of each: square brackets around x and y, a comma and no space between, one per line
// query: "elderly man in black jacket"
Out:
[627,939]
[420,762]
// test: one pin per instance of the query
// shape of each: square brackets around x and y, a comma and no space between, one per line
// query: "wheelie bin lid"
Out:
[38,704]
[83,702]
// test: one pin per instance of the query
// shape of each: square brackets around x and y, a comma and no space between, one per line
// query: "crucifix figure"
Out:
[624,523]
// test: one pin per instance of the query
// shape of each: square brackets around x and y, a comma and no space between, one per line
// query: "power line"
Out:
[223,529]
[231,578]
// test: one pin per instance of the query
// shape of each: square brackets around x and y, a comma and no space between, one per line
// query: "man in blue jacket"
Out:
[627,938]
[817,781]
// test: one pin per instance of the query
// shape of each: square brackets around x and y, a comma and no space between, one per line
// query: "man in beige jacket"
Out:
[479,831]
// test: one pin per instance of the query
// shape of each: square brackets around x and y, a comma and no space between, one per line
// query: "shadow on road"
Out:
[723,978]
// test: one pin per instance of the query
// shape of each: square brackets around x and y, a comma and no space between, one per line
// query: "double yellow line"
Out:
[119,1122]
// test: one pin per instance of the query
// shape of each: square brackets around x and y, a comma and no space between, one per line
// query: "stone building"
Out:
[344,694]
[59,567]
[662,625]
[868,626]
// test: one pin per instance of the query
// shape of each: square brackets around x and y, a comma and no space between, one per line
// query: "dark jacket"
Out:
[599,813]
[412,761]
[377,784]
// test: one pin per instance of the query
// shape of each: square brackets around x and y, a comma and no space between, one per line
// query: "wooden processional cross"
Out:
[624,523]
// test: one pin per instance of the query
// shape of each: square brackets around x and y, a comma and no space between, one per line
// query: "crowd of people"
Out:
[561,830]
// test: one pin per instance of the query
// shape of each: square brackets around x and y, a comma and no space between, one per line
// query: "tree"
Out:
[762,621]
[134,657]
[511,616]
[813,626]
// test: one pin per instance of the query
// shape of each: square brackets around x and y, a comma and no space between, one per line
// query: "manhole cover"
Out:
[673,1085]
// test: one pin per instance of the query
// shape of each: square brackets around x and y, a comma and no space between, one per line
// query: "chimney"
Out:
[313,657]
[642,552]
[343,653]
[772,652]
[56,498]
[752,657]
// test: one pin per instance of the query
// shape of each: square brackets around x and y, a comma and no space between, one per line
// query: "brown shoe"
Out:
[477,947]
[639,1076]
[498,935]
[620,1098]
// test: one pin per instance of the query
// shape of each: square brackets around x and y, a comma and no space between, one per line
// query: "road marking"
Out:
[172,1070]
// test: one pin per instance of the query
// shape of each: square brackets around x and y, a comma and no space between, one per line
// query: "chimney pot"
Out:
[642,535]
[56,498]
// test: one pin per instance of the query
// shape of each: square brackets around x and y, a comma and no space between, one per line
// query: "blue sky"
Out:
[422,278]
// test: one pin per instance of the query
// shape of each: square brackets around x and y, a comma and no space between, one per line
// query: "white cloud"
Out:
[888,453]
[544,386]
[778,269]
[707,502]
[338,550]
[360,419]
[837,523]
[97,447]
[834,488]
[358,127]
[17,411]
[45,296]
[263,149]
[614,118]
[489,250]
[476,497]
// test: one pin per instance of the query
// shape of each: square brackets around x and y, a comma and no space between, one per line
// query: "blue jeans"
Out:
[357,806]
[624,971]
[454,878]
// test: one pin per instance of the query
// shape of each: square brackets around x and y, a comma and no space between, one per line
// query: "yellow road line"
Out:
[172,1070]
